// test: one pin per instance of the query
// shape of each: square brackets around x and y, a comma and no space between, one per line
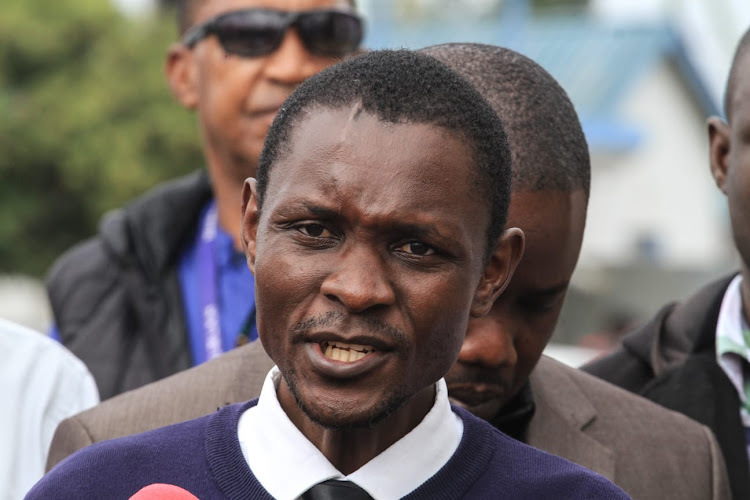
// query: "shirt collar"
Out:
[732,346]
[273,446]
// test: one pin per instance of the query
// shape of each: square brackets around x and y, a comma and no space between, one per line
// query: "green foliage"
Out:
[86,122]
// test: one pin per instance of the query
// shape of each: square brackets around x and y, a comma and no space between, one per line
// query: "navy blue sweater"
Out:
[204,457]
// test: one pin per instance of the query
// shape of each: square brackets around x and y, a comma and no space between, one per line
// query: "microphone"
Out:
[159,491]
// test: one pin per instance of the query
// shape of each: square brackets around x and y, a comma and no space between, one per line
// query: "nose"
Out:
[292,63]
[359,282]
[488,344]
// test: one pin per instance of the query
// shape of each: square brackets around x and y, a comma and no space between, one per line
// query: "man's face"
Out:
[502,348]
[368,256]
[730,155]
[238,97]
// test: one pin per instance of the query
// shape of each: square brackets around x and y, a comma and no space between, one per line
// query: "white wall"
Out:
[662,188]
[710,29]
[135,7]
[628,10]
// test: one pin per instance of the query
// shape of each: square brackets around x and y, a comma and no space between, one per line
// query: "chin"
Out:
[486,410]
[343,415]
[345,418]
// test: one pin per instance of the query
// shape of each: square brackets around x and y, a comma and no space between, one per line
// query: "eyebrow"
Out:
[319,211]
[552,290]
[417,231]
[413,230]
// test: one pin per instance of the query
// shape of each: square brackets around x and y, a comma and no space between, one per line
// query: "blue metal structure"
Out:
[596,63]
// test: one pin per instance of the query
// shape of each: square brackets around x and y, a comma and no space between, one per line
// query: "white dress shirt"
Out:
[730,337]
[286,464]
[41,383]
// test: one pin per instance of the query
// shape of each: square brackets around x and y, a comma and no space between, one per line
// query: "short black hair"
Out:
[402,86]
[185,10]
[737,60]
[547,142]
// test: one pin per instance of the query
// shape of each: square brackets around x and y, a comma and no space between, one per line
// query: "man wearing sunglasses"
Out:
[164,285]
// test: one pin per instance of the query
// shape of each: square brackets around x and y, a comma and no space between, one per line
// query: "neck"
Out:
[349,449]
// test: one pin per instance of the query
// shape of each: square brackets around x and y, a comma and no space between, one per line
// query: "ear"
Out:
[498,271]
[182,75]
[719,145]
[250,216]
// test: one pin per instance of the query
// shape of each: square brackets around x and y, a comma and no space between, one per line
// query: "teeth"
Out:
[356,355]
[337,354]
[346,353]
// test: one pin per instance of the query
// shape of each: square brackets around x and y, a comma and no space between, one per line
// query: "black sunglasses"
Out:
[259,32]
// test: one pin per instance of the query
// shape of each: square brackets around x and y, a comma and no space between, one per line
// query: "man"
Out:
[43,383]
[164,285]
[560,410]
[692,356]
[649,453]
[375,230]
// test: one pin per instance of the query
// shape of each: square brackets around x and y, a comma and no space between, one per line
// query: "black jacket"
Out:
[116,297]
[672,361]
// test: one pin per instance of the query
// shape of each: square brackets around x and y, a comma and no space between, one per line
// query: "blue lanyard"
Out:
[208,284]
[210,318]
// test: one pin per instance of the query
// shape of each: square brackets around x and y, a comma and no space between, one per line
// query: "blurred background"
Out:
[87,122]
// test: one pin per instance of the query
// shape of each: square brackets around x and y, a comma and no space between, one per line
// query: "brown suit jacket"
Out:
[648,451]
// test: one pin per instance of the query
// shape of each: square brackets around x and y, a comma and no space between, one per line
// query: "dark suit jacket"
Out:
[671,360]
[650,452]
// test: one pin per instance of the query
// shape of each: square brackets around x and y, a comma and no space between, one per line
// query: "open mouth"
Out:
[345,353]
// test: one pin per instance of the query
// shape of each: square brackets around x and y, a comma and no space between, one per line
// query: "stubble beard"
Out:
[343,421]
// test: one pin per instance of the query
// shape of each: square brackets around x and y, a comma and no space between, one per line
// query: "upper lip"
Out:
[365,339]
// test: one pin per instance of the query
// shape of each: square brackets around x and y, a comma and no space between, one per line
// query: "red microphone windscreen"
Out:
[163,492]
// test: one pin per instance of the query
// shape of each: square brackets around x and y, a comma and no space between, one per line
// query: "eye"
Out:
[314,230]
[538,304]
[417,248]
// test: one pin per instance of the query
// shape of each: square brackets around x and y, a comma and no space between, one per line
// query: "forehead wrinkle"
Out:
[200,10]
[330,144]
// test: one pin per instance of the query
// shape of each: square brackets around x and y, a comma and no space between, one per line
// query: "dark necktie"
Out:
[335,490]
